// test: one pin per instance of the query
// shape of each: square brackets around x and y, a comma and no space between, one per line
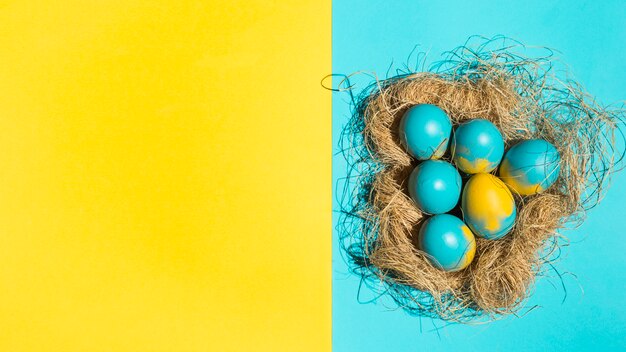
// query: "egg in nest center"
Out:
[488,206]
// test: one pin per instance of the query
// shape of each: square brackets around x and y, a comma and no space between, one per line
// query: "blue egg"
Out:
[477,146]
[531,166]
[449,243]
[425,131]
[435,186]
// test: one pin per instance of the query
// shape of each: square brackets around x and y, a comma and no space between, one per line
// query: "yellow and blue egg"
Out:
[435,186]
[488,206]
[425,131]
[530,167]
[477,146]
[449,243]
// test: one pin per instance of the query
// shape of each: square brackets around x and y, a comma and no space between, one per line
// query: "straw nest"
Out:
[525,99]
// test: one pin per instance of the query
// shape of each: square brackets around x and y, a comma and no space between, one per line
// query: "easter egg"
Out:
[425,131]
[435,186]
[449,243]
[531,166]
[488,206]
[477,146]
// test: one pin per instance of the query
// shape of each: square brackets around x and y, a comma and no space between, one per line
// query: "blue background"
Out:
[591,36]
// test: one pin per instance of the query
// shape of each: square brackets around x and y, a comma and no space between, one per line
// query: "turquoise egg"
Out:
[477,146]
[435,186]
[449,243]
[488,206]
[425,131]
[531,166]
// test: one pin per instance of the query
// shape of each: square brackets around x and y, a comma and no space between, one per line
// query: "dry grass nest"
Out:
[525,98]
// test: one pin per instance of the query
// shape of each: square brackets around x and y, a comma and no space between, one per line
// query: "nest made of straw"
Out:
[524,98]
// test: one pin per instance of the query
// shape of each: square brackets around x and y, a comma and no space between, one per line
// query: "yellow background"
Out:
[164,176]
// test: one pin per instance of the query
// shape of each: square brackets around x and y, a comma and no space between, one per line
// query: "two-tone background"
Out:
[167,172]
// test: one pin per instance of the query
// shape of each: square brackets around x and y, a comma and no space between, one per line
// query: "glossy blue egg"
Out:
[477,146]
[435,186]
[425,131]
[449,243]
[531,166]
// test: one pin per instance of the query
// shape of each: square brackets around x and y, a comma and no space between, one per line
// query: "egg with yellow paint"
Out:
[530,167]
[477,146]
[425,131]
[488,206]
[448,242]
